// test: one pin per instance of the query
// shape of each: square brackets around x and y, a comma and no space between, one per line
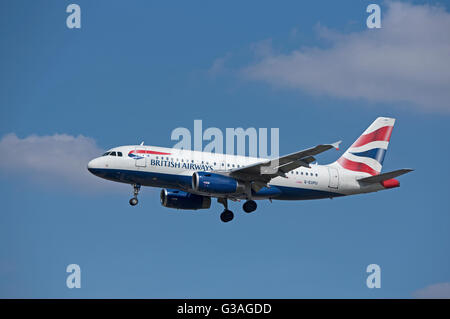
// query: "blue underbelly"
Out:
[184,182]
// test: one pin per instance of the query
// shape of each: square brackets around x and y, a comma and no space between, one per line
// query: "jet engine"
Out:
[216,184]
[174,198]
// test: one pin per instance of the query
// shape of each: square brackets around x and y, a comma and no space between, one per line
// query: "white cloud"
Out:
[407,60]
[61,159]
[218,65]
[436,291]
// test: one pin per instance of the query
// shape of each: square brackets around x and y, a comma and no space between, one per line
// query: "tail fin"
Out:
[366,154]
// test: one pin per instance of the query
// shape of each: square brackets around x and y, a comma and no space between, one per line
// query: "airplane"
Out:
[189,179]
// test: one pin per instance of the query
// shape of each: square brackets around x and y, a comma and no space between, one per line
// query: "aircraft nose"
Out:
[92,166]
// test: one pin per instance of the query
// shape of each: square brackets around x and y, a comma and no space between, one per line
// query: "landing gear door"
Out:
[140,159]
[334,177]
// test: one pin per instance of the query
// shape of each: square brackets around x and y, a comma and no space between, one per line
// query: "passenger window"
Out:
[119,154]
[316,175]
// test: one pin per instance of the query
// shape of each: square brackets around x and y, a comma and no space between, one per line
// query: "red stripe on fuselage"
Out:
[382,134]
[356,166]
[148,152]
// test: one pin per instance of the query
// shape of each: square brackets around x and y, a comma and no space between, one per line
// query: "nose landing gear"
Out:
[134,201]
[227,215]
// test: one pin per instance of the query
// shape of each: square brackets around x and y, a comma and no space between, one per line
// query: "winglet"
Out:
[336,145]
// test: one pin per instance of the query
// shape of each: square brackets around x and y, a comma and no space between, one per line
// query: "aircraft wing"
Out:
[261,173]
[385,176]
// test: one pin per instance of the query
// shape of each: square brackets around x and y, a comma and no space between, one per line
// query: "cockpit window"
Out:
[113,154]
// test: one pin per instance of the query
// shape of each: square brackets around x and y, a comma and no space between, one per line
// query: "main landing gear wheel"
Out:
[249,206]
[226,216]
[134,200]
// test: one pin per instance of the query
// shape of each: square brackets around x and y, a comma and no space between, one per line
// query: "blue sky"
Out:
[137,70]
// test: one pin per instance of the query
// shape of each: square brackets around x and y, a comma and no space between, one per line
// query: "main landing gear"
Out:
[249,206]
[227,215]
[134,200]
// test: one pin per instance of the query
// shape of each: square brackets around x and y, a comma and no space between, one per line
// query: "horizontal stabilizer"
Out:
[385,176]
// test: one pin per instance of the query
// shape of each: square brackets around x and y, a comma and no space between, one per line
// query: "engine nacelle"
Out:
[216,184]
[174,198]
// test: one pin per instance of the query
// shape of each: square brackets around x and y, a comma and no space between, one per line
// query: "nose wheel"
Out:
[134,200]
[227,215]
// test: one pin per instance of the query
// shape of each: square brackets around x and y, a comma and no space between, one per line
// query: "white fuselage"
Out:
[173,168]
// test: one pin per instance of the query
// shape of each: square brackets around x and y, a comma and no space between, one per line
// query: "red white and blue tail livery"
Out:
[366,154]
[190,179]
